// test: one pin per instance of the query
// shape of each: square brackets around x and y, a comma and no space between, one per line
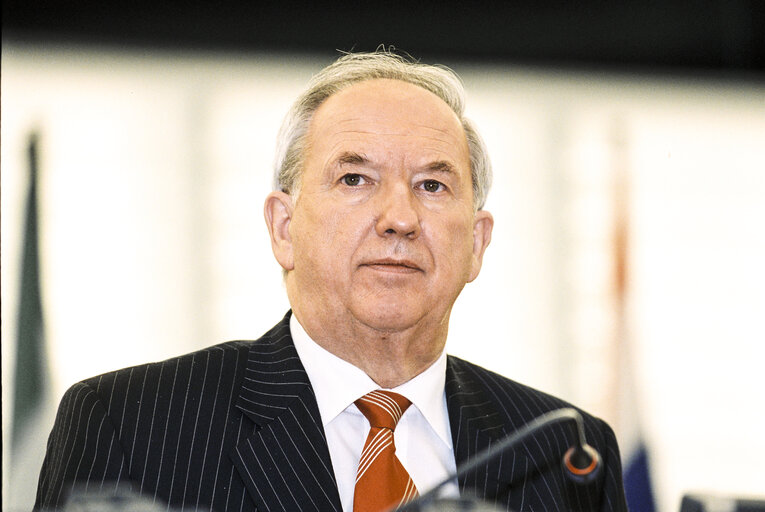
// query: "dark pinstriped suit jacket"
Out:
[236,427]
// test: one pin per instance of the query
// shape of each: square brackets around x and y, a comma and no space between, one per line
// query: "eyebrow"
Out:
[441,166]
[351,158]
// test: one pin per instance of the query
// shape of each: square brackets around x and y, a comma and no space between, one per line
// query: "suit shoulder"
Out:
[213,366]
[518,400]
[497,381]
[228,355]
[225,354]
[503,405]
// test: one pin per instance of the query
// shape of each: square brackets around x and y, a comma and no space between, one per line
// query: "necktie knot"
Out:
[383,409]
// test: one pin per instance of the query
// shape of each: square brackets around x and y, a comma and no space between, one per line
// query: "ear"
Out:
[482,226]
[278,213]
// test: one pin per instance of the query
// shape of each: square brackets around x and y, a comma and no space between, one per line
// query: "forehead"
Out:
[388,116]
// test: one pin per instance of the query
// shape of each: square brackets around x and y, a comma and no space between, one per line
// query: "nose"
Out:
[398,214]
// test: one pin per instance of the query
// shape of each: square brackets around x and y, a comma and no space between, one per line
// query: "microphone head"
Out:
[582,464]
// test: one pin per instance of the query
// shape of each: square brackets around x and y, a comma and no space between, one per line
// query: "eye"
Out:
[432,186]
[352,180]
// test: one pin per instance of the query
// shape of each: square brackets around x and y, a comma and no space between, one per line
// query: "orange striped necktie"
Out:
[382,483]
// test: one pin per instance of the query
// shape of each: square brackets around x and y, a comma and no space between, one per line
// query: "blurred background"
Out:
[626,269]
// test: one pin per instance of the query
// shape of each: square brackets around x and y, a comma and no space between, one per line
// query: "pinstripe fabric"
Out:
[286,464]
[235,427]
[484,407]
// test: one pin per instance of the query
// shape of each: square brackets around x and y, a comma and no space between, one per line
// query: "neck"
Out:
[390,358]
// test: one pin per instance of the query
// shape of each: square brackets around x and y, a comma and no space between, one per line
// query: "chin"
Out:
[386,318]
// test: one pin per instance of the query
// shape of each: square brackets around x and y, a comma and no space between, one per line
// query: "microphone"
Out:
[581,463]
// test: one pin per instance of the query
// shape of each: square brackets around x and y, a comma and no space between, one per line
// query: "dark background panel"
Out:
[725,36]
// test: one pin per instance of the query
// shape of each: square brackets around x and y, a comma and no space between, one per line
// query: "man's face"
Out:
[383,231]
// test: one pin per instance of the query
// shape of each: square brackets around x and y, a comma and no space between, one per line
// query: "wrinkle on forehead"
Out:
[384,93]
[369,138]
[427,157]
[353,158]
[382,121]
[386,119]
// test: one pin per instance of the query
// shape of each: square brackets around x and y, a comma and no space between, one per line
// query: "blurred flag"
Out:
[636,471]
[30,356]
[30,416]
[637,480]
[635,459]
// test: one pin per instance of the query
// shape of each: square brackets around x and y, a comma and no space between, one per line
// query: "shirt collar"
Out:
[337,383]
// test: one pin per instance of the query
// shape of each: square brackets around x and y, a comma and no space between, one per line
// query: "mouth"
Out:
[393,265]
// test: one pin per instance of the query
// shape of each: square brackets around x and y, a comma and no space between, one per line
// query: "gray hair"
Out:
[352,68]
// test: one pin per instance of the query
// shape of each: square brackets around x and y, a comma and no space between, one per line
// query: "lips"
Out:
[393,265]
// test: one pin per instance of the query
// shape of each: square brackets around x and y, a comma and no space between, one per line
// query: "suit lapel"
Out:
[476,425]
[285,463]
[483,408]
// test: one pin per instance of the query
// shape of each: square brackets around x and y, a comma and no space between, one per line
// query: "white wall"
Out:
[154,168]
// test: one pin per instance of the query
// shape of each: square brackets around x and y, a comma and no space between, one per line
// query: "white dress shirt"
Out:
[422,437]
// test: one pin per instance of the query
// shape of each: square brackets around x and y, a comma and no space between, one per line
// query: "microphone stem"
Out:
[519,435]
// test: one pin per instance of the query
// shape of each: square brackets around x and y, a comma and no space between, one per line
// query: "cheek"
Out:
[455,245]
[323,236]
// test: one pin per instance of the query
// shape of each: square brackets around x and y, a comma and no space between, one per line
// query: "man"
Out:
[377,221]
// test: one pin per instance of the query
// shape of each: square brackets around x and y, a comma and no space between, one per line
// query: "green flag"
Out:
[30,351]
